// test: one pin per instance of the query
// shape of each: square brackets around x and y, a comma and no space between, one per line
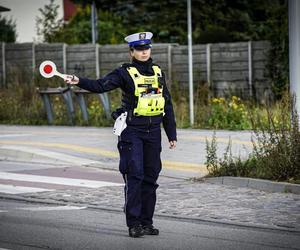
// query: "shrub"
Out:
[276,149]
[230,114]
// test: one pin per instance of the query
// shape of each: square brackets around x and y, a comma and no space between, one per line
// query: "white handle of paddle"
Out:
[63,76]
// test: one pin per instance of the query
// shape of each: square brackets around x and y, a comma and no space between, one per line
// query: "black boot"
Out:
[136,231]
[150,230]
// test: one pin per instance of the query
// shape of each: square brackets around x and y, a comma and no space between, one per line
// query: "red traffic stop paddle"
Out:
[48,70]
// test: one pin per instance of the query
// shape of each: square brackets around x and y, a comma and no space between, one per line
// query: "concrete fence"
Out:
[237,68]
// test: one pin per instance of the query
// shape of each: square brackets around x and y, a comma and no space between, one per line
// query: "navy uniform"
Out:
[147,102]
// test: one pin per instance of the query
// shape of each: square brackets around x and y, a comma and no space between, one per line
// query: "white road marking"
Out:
[59,208]
[14,135]
[3,211]
[11,189]
[56,180]
[58,157]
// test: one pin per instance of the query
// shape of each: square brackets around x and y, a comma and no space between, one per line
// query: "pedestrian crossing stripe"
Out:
[52,208]
[12,189]
[56,180]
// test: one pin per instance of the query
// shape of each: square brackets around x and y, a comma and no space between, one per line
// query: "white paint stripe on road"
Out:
[11,189]
[60,157]
[56,180]
[14,135]
[57,208]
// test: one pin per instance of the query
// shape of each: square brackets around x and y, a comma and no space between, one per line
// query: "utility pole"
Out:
[94,19]
[190,49]
[294,52]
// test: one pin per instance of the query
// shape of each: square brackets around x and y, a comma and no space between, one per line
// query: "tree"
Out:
[48,24]
[7,30]
[278,59]
[213,20]
[78,29]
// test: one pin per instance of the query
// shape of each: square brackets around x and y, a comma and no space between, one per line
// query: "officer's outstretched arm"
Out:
[109,82]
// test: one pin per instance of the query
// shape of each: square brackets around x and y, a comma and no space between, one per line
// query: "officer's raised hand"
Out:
[71,79]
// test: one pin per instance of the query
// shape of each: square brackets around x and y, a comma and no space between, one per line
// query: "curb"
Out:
[162,215]
[259,184]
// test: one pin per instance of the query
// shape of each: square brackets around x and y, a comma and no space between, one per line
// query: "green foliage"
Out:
[7,30]
[211,156]
[278,65]
[213,21]
[48,23]
[276,150]
[20,102]
[228,165]
[180,104]
[230,114]
[78,29]
[277,147]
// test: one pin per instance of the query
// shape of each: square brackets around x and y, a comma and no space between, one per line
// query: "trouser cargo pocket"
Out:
[125,150]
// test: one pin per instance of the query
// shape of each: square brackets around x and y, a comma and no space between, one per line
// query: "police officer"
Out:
[147,102]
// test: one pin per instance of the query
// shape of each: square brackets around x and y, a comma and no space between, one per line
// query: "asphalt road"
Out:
[37,226]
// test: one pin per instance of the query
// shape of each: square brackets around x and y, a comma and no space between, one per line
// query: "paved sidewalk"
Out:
[198,200]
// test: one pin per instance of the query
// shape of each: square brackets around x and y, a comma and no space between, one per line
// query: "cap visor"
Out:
[142,47]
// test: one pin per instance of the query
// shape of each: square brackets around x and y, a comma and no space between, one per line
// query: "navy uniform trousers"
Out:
[140,165]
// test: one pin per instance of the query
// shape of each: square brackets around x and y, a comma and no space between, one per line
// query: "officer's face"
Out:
[141,55]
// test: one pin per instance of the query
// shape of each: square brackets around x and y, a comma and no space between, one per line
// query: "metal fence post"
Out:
[3,66]
[208,68]
[250,68]
[294,53]
[170,66]
[33,60]
[64,58]
[190,59]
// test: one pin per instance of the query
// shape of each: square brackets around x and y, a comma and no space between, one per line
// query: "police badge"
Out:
[142,36]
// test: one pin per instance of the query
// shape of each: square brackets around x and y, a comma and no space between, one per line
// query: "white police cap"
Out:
[139,40]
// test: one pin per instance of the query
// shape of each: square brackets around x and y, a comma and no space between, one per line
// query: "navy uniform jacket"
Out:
[120,78]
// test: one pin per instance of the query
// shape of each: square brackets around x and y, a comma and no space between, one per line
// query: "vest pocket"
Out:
[150,105]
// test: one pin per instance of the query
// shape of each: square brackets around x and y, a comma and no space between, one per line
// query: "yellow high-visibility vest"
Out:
[149,104]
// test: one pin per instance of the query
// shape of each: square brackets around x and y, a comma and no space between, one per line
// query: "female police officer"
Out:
[147,102]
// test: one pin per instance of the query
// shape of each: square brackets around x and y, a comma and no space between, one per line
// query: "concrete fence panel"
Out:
[226,67]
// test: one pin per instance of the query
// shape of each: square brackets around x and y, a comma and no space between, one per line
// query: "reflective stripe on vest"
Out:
[149,104]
